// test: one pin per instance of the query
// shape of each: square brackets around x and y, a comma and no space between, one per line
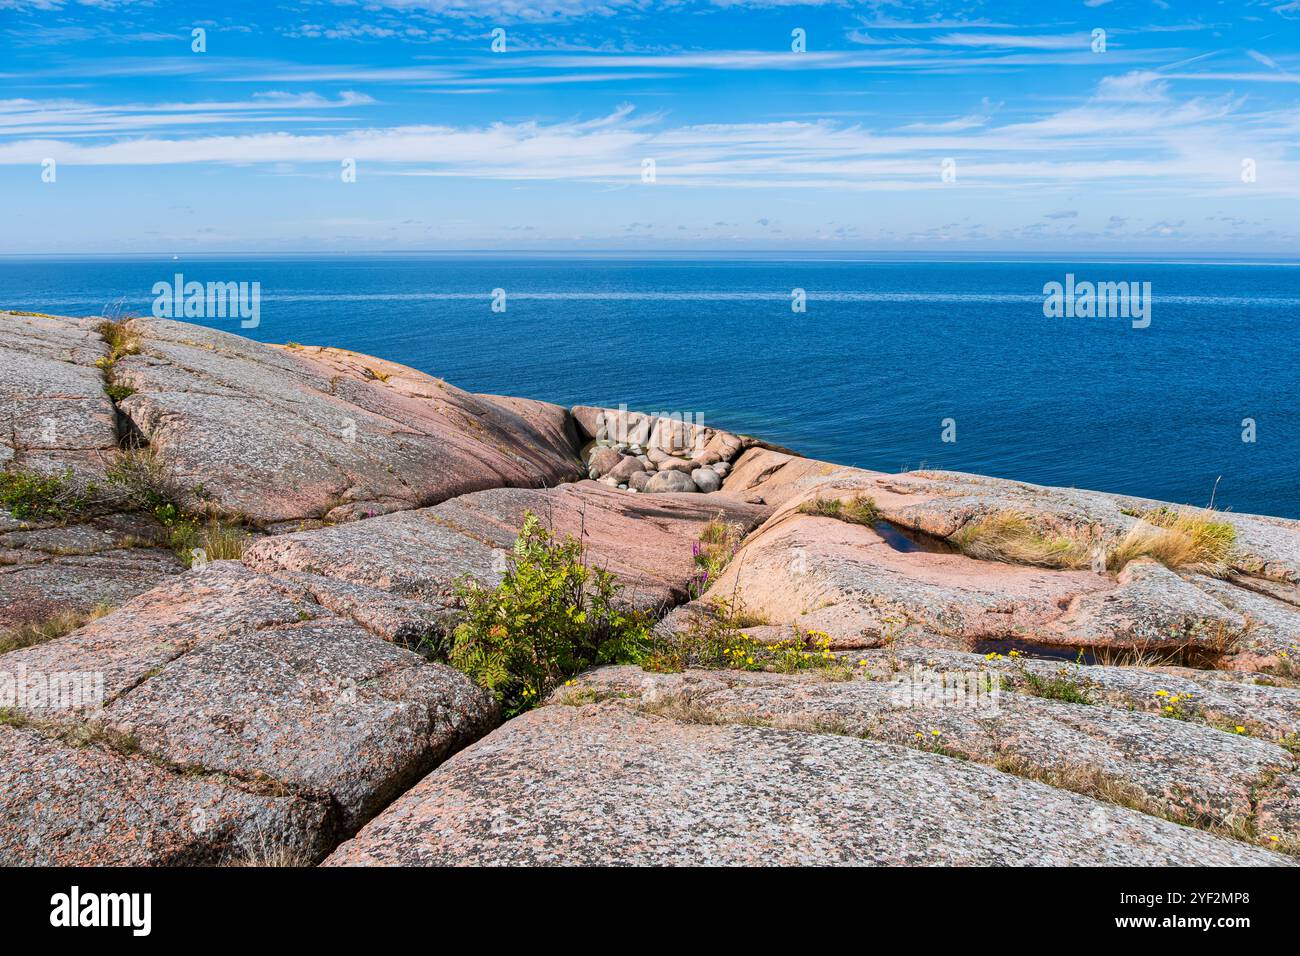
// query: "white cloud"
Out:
[1137,86]
[971,121]
[1174,146]
[1078,41]
[73,117]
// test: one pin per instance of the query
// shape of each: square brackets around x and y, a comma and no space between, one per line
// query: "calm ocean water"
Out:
[885,352]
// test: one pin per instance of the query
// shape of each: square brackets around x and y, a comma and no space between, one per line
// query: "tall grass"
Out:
[65,622]
[120,337]
[1180,539]
[857,510]
[1186,540]
[1011,537]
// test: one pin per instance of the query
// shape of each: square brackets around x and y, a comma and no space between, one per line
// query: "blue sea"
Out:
[887,350]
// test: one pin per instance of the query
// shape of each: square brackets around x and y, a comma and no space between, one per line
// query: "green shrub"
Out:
[27,494]
[550,617]
[140,475]
[118,392]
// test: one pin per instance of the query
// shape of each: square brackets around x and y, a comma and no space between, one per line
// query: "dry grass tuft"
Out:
[65,622]
[262,849]
[1184,540]
[143,478]
[120,338]
[1011,537]
[857,510]
[217,540]
[1202,645]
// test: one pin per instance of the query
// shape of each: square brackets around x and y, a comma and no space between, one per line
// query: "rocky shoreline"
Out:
[245,552]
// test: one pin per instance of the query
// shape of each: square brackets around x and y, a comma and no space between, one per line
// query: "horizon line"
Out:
[715,254]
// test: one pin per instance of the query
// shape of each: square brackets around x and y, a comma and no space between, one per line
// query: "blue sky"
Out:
[1054,146]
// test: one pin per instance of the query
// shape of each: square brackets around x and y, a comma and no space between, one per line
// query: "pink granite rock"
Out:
[58,416]
[240,680]
[289,433]
[419,555]
[602,784]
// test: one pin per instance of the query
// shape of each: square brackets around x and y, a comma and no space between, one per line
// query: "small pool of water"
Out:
[909,539]
[1005,646]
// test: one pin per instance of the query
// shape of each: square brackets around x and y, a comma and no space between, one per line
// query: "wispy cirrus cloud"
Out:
[1018,41]
[739,123]
[78,118]
[1176,145]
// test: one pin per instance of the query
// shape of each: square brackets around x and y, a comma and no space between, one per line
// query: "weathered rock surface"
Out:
[706,479]
[1274,620]
[941,502]
[775,478]
[1205,773]
[847,580]
[53,395]
[553,423]
[602,785]
[1216,698]
[626,468]
[669,481]
[267,707]
[666,433]
[290,433]
[603,462]
[47,569]
[68,805]
[226,675]
[675,464]
[1150,606]
[621,439]
[420,555]
[863,585]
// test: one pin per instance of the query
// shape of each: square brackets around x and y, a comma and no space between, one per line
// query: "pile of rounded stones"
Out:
[647,453]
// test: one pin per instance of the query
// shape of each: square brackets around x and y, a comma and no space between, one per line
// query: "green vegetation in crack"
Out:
[1066,684]
[121,340]
[143,480]
[717,545]
[713,636]
[551,616]
[74,733]
[29,495]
